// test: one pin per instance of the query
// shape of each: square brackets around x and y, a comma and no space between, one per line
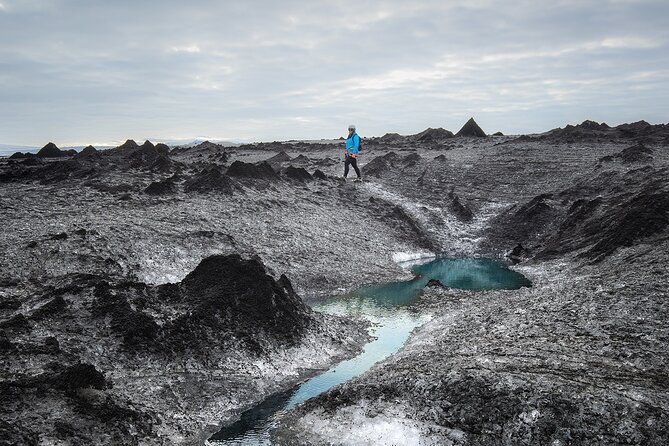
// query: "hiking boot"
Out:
[358,180]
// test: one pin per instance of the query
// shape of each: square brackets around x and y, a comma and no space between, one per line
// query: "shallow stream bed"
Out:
[390,309]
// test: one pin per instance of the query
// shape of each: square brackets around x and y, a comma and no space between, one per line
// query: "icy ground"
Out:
[90,242]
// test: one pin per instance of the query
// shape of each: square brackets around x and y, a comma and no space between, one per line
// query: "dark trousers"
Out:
[353,162]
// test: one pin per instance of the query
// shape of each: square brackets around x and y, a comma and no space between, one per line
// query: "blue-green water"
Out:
[389,307]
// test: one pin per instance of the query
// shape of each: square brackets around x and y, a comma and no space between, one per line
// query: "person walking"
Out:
[351,152]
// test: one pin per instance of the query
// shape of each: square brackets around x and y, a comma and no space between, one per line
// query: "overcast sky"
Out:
[79,72]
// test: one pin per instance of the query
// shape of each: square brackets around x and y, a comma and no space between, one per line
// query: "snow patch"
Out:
[366,425]
[410,258]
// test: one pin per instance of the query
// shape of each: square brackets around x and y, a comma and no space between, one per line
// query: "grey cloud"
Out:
[81,71]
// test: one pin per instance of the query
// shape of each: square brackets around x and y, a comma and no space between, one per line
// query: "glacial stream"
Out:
[389,308]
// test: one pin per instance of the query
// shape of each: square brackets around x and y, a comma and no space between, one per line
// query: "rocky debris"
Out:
[162,149]
[431,135]
[139,340]
[21,155]
[455,206]
[525,222]
[587,130]
[637,153]
[213,151]
[517,254]
[162,187]
[593,221]
[260,171]
[50,150]
[491,368]
[434,283]
[150,157]
[32,160]
[471,128]
[392,138]
[381,164]
[319,175]
[297,174]
[49,309]
[161,164]
[88,152]
[237,296]
[279,158]
[210,179]
[145,155]
[128,147]
[301,160]
[46,173]
[592,131]
[89,163]
[411,159]
[406,224]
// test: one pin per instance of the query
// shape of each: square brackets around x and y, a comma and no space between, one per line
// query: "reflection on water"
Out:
[388,307]
[472,274]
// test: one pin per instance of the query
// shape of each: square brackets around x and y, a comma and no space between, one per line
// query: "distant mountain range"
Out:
[9,149]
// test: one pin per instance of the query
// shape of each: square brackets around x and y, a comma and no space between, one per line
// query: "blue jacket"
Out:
[353,144]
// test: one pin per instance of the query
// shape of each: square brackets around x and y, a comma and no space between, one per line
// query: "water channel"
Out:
[389,307]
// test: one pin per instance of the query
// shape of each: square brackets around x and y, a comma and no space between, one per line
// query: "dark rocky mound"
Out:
[88,152]
[498,134]
[163,149]
[146,157]
[633,129]
[637,153]
[319,175]
[212,150]
[587,130]
[471,128]
[163,187]
[517,254]
[298,174]
[20,155]
[301,160]
[525,222]
[210,179]
[593,132]
[389,138]
[411,160]
[405,224]
[434,283]
[61,171]
[129,146]
[27,159]
[432,135]
[161,164]
[50,151]
[238,296]
[260,171]
[279,158]
[32,160]
[592,219]
[455,206]
[381,164]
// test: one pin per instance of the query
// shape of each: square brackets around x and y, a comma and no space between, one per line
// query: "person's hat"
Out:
[351,127]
